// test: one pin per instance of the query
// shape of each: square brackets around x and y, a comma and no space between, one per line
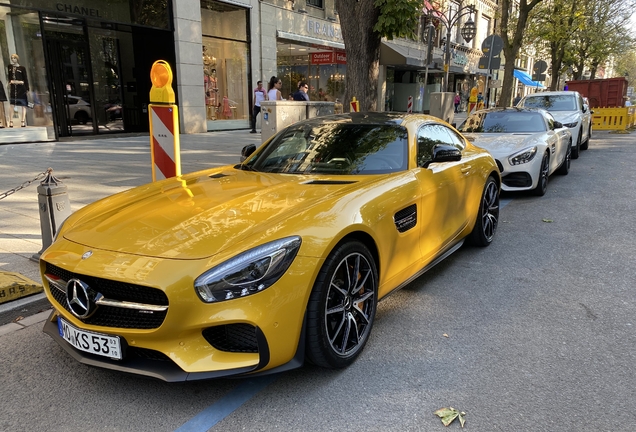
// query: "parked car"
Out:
[255,267]
[568,108]
[78,109]
[528,144]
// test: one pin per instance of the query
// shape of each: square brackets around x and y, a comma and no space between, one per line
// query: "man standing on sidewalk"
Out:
[301,94]
[259,95]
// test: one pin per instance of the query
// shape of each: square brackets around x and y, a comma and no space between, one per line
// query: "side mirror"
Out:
[444,153]
[557,125]
[247,151]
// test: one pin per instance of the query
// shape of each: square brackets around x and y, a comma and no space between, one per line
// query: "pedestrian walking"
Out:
[458,100]
[273,89]
[259,96]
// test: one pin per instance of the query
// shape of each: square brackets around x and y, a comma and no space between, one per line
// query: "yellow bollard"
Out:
[354,105]
[164,123]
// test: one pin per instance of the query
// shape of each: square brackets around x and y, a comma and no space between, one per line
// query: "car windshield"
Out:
[334,148]
[504,122]
[551,103]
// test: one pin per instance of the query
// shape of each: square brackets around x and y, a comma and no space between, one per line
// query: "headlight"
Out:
[571,125]
[248,273]
[524,156]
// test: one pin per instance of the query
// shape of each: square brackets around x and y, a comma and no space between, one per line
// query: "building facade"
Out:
[88,62]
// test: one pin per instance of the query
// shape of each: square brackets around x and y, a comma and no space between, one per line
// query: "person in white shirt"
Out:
[273,89]
[259,96]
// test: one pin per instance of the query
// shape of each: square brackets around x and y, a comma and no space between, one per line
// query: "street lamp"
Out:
[468,31]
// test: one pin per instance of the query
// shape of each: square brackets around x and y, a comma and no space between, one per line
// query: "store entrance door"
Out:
[72,87]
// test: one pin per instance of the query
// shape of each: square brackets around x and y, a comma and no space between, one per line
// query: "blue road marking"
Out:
[227,404]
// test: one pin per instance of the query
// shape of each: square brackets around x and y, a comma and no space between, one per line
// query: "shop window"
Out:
[149,13]
[315,3]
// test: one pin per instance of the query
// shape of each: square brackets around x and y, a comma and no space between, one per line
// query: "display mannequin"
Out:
[211,93]
[3,99]
[18,88]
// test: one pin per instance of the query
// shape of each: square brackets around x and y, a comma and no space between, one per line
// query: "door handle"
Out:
[466,169]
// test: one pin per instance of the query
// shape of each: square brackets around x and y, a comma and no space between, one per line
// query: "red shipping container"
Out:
[601,93]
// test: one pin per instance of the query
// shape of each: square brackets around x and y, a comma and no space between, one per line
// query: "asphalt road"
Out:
[540,337]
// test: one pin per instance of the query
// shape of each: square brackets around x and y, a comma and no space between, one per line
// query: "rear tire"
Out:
[576,150]
[342,306]
[586,144]
[487,216]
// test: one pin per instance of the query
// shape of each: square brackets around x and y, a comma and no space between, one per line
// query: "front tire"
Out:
[564,169]
[544,173]
[488,215]
[576,150]
[342,306]
[586,144]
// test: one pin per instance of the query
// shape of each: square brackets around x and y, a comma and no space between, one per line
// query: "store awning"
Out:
[527,79]
[308,39]
[398,55]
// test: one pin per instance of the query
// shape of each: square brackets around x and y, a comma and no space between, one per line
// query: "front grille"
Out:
[518,179]
[146,354]
[110,316]
[232,338]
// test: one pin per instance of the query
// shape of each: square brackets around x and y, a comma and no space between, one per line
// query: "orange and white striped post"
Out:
[164,124]
[409,105]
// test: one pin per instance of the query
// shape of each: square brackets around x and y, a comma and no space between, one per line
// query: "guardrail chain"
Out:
[25,184]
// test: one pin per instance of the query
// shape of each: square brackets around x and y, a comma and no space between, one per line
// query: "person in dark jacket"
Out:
[301,94]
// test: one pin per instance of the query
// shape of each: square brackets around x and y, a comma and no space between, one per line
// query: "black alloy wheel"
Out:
[544,172]
[564,169]
[576,150]
[585,144]
[488,215]
[342,306]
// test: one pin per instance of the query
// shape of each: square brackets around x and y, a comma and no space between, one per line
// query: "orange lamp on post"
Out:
[164,123]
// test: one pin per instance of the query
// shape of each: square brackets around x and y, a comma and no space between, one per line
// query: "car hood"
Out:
[501,145]
[202,214]
[566,116]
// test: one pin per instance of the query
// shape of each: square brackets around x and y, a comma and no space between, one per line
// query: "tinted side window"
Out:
[455,139]
[428,137]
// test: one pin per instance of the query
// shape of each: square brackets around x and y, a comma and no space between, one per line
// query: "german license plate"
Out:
[90,342]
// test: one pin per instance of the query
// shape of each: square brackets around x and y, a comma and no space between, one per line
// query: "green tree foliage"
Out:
[398,18]
[579,35]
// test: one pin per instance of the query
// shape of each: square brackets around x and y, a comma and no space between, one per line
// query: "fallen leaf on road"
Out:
[449,414]
[547,220]
[20,318]
[445,335]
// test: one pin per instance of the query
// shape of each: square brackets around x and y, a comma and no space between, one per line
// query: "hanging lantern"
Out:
[469,30]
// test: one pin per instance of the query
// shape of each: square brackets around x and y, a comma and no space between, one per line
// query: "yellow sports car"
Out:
[257,267]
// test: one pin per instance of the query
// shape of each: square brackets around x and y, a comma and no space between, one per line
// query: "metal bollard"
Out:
[55,207]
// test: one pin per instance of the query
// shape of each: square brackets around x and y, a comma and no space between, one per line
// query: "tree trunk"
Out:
[362,46]
[511,47]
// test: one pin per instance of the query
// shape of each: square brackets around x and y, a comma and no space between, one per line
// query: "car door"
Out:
[585,117]
[443,189]
[557,142]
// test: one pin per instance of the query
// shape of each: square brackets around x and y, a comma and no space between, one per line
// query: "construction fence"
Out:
[613,118]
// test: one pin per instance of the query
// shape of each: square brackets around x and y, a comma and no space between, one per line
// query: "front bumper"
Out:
[180,347]
[520,177]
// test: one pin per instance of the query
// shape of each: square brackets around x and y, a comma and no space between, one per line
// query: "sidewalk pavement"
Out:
[91,168]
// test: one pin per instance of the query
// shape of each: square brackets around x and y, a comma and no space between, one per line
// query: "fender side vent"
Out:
[218,175]
[406,218]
